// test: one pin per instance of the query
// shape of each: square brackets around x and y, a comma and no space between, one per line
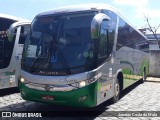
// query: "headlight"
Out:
[22,79]
[87,82]
[82,84]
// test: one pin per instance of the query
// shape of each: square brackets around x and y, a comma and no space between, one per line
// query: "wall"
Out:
[154,57]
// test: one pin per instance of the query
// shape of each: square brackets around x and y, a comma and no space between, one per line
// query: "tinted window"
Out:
[106,41]
[103,40]
[139,41]
[6,46]
[23,35]
[60,43]
[5,24]
[111,28]
[127,36]
[122,34]
[1,50]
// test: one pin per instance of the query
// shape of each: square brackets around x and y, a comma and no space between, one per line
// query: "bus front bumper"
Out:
[82,97]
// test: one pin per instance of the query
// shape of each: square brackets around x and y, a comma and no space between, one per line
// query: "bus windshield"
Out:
[59,44]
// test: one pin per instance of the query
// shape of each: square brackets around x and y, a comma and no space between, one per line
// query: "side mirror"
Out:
[10,31]
[13,27]
[96,24]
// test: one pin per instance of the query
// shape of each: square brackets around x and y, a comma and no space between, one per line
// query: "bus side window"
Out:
[102,43]
[5,44]
[1,50]
[106,39]
[103,40]
[123,35]
[23,34]
[111,28]
[1,53]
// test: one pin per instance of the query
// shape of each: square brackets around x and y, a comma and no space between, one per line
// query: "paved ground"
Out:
[139,97]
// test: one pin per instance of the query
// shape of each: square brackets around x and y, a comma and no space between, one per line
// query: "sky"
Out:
[133,10]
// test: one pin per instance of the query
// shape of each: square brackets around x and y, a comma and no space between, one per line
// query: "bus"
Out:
[81,56]
[12,36]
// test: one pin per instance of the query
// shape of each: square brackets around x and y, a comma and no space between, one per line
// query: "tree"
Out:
[153,30]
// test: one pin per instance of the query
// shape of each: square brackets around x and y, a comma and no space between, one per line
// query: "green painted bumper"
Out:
[69,98]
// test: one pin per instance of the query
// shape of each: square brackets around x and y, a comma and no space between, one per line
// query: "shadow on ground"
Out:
[8,91]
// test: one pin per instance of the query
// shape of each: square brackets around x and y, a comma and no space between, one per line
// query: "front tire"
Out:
[117,92]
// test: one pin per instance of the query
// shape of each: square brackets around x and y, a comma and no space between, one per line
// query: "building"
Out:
[153,43]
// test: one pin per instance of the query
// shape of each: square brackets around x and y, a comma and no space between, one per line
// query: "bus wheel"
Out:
[117,92]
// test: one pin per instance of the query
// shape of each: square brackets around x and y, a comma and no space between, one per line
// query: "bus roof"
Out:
[76,8]
[6,16]
[86,7]
[19,23]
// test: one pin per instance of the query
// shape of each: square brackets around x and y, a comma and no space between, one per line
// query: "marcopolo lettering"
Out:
[67,81]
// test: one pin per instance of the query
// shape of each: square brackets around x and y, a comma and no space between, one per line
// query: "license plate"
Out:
[48,98]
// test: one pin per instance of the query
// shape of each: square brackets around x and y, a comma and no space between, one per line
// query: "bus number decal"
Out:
[12,78]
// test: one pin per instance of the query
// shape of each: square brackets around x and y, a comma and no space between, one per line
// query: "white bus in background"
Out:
[13,32]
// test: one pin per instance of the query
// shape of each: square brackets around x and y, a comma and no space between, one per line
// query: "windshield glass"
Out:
[59,45]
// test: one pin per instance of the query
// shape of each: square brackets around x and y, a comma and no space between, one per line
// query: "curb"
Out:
[152,79]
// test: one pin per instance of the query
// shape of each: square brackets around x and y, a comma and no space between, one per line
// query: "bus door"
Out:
[18,32]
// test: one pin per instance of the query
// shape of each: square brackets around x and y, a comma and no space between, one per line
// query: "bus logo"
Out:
[47,88]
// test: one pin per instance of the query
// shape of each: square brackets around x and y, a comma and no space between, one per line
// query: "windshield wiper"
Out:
[63,62]
[36,62]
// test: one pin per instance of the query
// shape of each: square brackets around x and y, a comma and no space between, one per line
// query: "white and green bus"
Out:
[13,31]
[81,56]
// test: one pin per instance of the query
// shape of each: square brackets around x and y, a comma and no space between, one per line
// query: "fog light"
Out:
[82,83]
[22,79]
[82,98]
